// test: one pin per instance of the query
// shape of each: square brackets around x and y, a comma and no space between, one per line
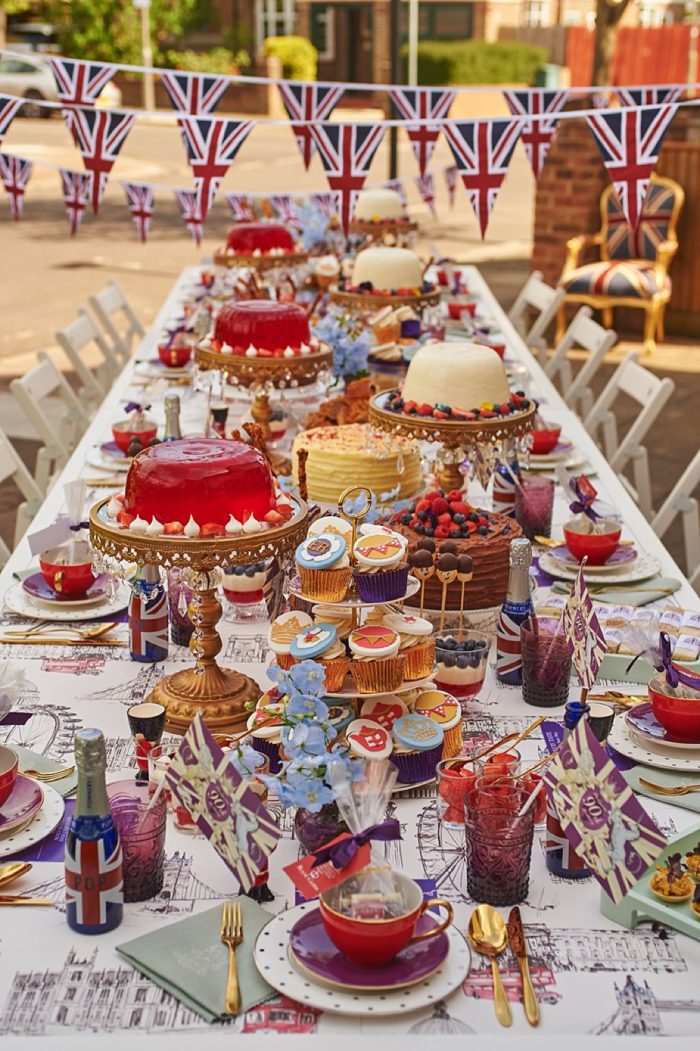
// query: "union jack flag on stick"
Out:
[325,202]
[241,208]
[99,135]
[8,110]
[400,190]
[79,83]
[630,142]
[584,636]
[188,203]
[285,208]
[15,173]
[422,104]
[76,187]
[451,174]
[211,145]
[193,93]
[426,188]
[482,150]
[346,151]
[647,96]
[308,102]
[537,135]
[139,197]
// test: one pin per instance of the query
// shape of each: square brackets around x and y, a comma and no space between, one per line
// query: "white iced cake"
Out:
[388,268]
[461,375]
[374,205]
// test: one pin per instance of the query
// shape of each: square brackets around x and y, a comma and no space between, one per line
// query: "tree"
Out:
[10,7]
[607,19]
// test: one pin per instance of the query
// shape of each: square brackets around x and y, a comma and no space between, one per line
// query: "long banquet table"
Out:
[592,977]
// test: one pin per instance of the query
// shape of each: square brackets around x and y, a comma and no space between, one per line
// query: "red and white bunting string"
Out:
[482,150]
[76,188]
[212,144]
[308,102]
[15,173]
[423,104]
[451,174]
[188,203]
[79,83]
[193,93]
[537,135]
[346,151]
[139,198]
[241,208]
[397,185]
[426,188]
[99,135]
[9,108]
[629,142]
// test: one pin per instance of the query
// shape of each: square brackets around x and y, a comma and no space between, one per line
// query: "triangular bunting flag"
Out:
[423,104]
[79,83]
[285,208]
[647,96]
[536,135]
[188,203]
[139,197]
[426,188]
[398,187]
[451,174]
[346,151]
[76,187]
[99,135]
[308,102]
[211,145]
[482,150]
[584,636]
[15,173]
[193,93]
[241,208]
[629,141]
[8,110]
[325,202]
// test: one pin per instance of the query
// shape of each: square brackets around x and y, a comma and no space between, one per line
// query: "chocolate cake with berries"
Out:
[446,518]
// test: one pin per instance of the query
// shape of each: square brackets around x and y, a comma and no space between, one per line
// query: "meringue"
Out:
[192,529]
[233,526]
[114,507]
[252,525]
[139,525]
[251,352]
[155,528]
[226,349]
[304,348]
[288,352]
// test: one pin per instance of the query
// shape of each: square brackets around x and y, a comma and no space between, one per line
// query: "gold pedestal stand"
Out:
[260,263]
[369,302]
[221,694]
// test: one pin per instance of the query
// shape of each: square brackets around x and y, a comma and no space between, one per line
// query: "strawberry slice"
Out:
[273,518]
[173,528]
[125,519]
[212,529]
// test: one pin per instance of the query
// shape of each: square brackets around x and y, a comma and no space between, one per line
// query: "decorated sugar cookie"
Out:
[408,623]
[321,552]
[374,640]
[285,628]
[440,707]
[367,528]
[313,641]
[385,712]
[266,722]
[332,524]
[379,549]
[417,732]
[340,717]
[368,739]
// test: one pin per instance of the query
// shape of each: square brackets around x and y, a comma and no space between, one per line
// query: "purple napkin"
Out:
[544,580]
[553,734]
[52,848]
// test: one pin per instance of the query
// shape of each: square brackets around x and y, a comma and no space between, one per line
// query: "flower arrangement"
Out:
[350,342]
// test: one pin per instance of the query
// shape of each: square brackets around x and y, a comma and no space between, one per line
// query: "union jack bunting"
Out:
[308,102]
[398,187]
[188,203]
[15,173]
[241,208]
[325,202]
[8,110]
[422,104]
[647,96]
[76,187]
[193,93]
[285,208]
[139,197]
[629,142]
[536,135]
[584,636]
[451,174]
[426,188]
[99,135]
[482,150]
[211,145]
[79,83]
[346,151]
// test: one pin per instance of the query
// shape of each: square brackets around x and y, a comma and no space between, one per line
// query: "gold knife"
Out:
[51,640]
[518,946]
[24,899]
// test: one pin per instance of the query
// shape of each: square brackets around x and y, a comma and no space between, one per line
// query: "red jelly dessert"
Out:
[246,238]
[209,479]
[263,324]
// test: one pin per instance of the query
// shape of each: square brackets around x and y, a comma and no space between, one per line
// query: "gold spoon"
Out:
[48,775]
[13,871]
[664,790]
[488,936]
[92,631]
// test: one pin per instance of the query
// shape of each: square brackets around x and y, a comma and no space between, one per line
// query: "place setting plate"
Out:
[644,725]
[154,368]
[39,589]
[45,821]
[641,750]
[23,803]
[96,457]
[643,567]
[24,605]
[625,555]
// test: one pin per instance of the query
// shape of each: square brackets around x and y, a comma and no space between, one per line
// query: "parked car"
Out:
[32,79]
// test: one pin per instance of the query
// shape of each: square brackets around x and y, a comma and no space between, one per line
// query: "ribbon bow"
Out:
[136,406]
[341,854]
[583,504]
[75,527]
[172,333]
[674,675]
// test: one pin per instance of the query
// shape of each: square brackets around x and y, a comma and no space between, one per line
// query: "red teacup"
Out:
[125,431]
[9,765]
[544,439]
[679,715]
[457,307]
[68,578]
[371,943]
[176,355]
[598,546]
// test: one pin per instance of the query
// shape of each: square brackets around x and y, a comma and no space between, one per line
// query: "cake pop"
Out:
[465,572]
[446,570]
[422,567]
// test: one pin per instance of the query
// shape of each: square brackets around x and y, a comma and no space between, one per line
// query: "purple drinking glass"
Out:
[534,500]
[142,835]
[179,598]
[546,667]
[498,847]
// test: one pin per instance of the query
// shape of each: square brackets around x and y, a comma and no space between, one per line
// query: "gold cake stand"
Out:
[368,302]
[260,263]
[379,231]
[453,435]
[221,694]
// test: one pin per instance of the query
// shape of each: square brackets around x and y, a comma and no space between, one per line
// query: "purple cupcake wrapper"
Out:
[416,766]
[271,750]
[385,586]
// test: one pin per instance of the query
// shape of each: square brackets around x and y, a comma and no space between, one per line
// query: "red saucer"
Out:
[24,802]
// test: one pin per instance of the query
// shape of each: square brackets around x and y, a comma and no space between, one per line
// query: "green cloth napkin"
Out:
[29,760]
[188,960]
[669,779]
[634,595]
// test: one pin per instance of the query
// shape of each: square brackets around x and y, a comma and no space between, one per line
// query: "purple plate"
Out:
[38,588]
[24,802]
[315,954]
[643,721]
[621,557]
[112,451]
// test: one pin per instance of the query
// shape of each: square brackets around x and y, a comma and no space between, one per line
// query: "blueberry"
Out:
[448,659]
[472,517]
[422,516]
[406,519]
[429,531]
[250,571]
[418,528]
[462,661]
[520,393]
[483,530]
[471,644]
[525,404]
[459,518]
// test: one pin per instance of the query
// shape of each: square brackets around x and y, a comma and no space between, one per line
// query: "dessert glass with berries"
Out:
[461,662]
[243,588]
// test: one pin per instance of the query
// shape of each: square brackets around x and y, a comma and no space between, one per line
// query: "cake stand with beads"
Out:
[220,694]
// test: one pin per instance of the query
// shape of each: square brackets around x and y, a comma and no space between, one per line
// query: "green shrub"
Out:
[477,62]
[297,54]
[216,62]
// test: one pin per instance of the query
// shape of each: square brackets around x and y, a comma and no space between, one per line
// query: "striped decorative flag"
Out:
[655,96]
[325,202]
[99,135]
[285,208]
[310,103]
[193,93]
[482,150]
[15,173]
[419,105]
[426,188]
[346,151]
[139,197]
[451,174]
[212,145]
[8,110]
[76,188]
[241,208]
[537,135]
[79,83]
[188,203]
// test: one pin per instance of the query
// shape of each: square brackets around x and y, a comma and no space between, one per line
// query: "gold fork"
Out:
[232,935]
[663,790]
[92,631]
[48,775]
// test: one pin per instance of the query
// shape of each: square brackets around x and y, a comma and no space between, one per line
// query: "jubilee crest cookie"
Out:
[321,552]
[313,641]
[368,739]
[374,640]
[417,732]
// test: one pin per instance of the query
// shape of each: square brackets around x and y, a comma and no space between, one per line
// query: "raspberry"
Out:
[408,405]
[454,494]
[422,505]
[432,496]
[504,408]
[425,409]
[442,532]
[440,505]
[488,414]
[459,507]
[445,519]
[438,415]
[472,527]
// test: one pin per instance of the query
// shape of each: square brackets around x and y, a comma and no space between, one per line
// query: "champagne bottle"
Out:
[514,611]
[172,430]
[93,855]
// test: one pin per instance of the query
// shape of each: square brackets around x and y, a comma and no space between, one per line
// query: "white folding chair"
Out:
[651,393]
[12,467]
[80,338]
[105,305]
[535,295]
[680,501]
[42,382]
[587,334]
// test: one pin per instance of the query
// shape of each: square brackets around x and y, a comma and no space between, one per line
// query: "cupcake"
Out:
[381,570]
[383,710]
[265,725]
[319,642]
[377,666]
[340,717]
[670,883]
[340,616]
[417,750]
[447,712]
[324,567]
[368,740]
[283,631]
[416,644]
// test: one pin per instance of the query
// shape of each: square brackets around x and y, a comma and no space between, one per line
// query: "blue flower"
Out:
[350,346]
[308,738]
[308,677]
[304,709]
[308,792]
